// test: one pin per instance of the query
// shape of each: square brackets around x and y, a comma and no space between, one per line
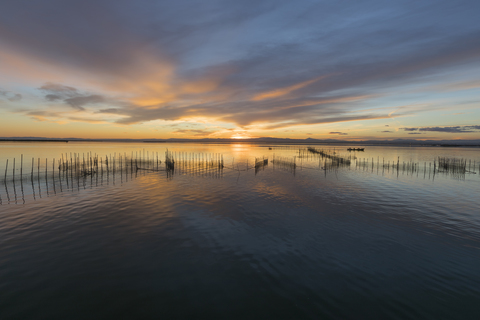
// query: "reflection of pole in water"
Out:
[33,188]
[14,189]
[53,175]
[65,173]
[78,175]
[46,175]
[23,193]
[60,177]
[72,178]
[6,190]
[38,181]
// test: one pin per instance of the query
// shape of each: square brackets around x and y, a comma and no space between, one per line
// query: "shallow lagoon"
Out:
[349,242]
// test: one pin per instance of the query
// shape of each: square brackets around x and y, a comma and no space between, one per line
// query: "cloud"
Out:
[386,131]
[10,95]
[451,129]
[284,91]
[71,96]
[80,101]
[16,97]
[195,132]
[338,133]
[59,89]
[63,117]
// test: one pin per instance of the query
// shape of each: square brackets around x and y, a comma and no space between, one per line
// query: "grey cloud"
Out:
[52,97]
[110,110]
[42,113]
[338,133]
[60,89]
[79,102]
[451,129]
[70,95]
[386,131]
[11,96]
[16,97]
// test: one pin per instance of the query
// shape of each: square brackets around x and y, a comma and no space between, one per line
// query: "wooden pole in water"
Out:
[21,167]
[13,169]
[6,168]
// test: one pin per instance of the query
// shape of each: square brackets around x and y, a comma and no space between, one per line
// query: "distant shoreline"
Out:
[267,142]
[35,140]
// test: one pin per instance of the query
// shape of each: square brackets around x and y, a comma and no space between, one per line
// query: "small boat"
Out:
[356,149]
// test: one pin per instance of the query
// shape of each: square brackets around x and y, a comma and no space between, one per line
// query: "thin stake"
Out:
[6,168]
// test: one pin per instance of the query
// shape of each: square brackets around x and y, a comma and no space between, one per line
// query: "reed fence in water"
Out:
[70,171]
[286,162]
[336,160]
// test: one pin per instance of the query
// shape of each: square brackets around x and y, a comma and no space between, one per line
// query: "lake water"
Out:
[362,240]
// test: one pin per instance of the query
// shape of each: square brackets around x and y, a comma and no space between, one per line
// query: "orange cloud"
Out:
[284,91]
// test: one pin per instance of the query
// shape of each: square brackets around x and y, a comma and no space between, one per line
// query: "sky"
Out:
[347,69]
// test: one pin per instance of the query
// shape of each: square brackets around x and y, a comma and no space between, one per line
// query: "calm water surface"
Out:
[354,242]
